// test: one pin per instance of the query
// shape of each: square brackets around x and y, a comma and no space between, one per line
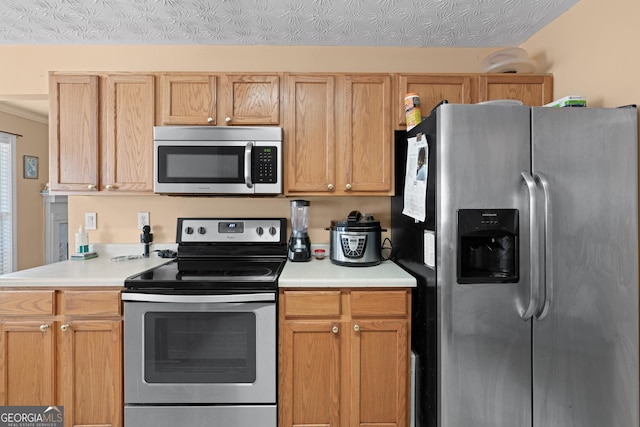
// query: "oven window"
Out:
[202,166]
[208,164]
[200,347]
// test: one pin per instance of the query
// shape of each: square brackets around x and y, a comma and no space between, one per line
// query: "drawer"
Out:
[312,303]
[27,303]
[379,303]
[90,303]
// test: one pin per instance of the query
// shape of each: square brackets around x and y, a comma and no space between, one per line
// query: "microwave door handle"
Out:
[247,164]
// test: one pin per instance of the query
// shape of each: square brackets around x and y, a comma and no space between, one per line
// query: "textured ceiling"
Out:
[412,23]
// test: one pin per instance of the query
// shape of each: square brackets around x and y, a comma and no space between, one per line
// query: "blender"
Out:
[299,243]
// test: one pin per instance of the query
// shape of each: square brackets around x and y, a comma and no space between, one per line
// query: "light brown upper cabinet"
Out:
[250,99]
[188,99]
[219,99]
[310,133]
[73,132]
[127,139]
[101,132]
[368,135]
[533,90]
[433,89]
[338,134]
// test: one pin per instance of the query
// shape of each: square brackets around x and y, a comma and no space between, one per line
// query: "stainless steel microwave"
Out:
[217,160]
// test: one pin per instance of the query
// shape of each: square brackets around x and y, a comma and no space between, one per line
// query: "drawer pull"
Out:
[335,330]
[64,327]
[356,327]
[44,327]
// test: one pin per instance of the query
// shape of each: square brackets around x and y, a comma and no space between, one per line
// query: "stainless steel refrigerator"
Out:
[526,314]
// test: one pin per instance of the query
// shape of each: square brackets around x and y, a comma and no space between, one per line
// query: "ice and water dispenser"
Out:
[488,246]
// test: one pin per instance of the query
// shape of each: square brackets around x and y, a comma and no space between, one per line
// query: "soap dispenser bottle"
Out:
[82,241]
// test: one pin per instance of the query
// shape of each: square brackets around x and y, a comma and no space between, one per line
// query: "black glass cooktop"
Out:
[210,275]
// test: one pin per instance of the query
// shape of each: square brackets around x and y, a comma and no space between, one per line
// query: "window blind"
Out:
[7,205]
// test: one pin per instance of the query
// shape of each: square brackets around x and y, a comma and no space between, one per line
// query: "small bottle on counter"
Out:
[82,241]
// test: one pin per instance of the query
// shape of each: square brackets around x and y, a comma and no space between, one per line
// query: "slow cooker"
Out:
[355,242]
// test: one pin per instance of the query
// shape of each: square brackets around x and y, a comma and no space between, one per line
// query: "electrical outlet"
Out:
[143,219]
[90,221]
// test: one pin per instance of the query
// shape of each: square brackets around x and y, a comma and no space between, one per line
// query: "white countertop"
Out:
[104,271]
[100,271]
[325,274]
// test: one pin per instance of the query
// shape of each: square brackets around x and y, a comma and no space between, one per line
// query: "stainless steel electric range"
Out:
[200,331]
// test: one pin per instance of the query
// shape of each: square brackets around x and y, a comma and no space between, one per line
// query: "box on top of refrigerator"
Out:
[568,101]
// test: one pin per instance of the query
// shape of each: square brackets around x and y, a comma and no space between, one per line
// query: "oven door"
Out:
[210,167]
[197,349]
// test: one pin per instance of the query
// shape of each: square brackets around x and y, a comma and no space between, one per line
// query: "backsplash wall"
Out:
[117,216]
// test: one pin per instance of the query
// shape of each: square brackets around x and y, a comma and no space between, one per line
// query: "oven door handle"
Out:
[198,299]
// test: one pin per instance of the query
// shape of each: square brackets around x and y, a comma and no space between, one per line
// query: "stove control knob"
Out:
[202,230]
[260,231]
[188,230]
[272,231]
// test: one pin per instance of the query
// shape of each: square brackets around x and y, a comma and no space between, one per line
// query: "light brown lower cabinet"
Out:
[344,358]
[63,348]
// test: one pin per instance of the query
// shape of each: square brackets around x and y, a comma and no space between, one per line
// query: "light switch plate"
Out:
[90,221]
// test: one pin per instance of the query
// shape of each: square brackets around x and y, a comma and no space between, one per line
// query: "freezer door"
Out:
[585,364]
[484,354]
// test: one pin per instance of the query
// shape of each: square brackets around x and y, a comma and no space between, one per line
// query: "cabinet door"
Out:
[188,99]
[530,89]
[90,375]
[27,361]
[379,369]
[309,133]
[432,90]
[73,133]
[127,142]
[309,389]
[368,133]
[250,99]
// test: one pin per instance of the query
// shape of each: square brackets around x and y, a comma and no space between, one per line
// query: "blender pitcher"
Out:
[299,243]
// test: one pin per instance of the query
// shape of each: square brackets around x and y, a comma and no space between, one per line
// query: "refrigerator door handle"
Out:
[548,248]
[534,284]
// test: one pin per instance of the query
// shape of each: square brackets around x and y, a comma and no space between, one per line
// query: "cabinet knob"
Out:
[109,187]
[348,186]
[64,327]
[44,327]
[335,330]
[228,120]
[91,187]
[356,327]
[330,187]
[210,120]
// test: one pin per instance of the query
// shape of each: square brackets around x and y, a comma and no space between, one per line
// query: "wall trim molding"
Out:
[21,112]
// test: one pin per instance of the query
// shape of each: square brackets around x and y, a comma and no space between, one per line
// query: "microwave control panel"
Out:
[265,165]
